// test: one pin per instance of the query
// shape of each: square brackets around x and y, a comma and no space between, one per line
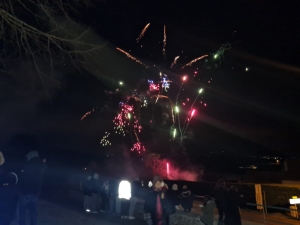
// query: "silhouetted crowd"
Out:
[19,190]
[160,202]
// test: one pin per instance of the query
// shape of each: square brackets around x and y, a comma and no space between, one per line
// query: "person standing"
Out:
[31,179]
[105,197]
[88,194]
[233,201]
[208,210]
[219,194]
[136,187]
[123,199]
[158,206]
[187,199]
[95,191]
[175,196]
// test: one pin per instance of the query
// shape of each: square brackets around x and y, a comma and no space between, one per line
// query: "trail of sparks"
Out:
[131,57]
[165,41]
[87,113]
[175,61]
[143,32]
[193,61]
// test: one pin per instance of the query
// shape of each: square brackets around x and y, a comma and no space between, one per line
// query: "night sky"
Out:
[248,112]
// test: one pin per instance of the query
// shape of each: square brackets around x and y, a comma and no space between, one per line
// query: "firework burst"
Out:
[143,32]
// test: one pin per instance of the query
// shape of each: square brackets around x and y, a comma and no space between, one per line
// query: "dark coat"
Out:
[87,188]
[31,177]
[136,187]
[95,187]
[175,197]
[150,205]
[233,201]
[8,201]
[219,195]
[187,199]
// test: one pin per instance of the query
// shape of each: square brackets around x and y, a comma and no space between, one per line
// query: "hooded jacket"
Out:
[31,177]
[208,213]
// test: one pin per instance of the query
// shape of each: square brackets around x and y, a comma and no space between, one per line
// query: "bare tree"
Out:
[29,28]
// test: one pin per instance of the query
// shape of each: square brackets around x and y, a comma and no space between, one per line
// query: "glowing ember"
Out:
[143,32]
[138,147]
[87,113]
[152,86]
[168,171]
[194,60]
[165,41]
[193,112]
[175,61]
[104,141]
[131,57]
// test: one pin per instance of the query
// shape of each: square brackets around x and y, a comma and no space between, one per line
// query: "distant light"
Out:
[121,83]
[129,116]
[195,72]
[176,109]
[87,210]
[174,133]
[294,201]
[184,78]
[85,168]
[247,69]
[216,56]
[125,190]
[200,90]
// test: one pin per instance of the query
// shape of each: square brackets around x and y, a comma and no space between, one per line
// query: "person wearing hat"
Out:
[31,179]
[158,206]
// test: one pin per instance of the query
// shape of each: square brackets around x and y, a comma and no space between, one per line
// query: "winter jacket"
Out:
[31,177]
[219,195]
[151,202]
[208,213]
[187,199]
[175,197]
[87,188]
[233,201]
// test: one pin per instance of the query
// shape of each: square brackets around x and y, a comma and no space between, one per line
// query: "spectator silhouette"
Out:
[31,179]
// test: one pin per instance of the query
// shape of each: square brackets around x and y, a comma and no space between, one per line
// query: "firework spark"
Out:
[193,61]
[104,141]
[165,41]
[87,113]
[131,57]
[175,61]
[143,32]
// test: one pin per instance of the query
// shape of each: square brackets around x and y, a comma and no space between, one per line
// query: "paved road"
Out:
[249,217]
[255,217]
